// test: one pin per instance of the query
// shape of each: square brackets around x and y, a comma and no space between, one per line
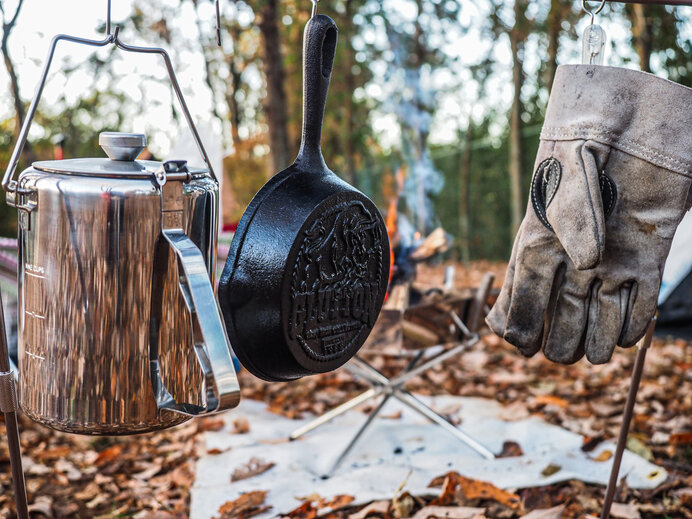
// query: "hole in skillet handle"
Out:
[328,51]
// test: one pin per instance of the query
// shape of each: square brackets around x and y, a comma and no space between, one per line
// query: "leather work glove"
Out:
[612,182]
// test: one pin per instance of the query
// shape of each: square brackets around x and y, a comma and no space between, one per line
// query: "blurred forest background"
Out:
[435,106]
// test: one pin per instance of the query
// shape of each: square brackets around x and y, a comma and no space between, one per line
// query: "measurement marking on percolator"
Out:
[34,355]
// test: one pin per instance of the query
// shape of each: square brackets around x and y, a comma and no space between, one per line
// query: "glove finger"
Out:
[566,331]
[607,310]
[642,307]
[497,317]
[537,276]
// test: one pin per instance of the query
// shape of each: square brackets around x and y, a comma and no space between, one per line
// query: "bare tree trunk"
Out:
[423,218]
[19,112]
[233,84]
[464,197]
[208,74]
[275,105]
[554,29]
[232,102]
[641,35]
[516,37]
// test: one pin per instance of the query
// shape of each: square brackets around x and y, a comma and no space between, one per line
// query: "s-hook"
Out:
[314,8]
[594,37]
[585,7]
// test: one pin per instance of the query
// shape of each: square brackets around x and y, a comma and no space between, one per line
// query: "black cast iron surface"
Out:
[308,268]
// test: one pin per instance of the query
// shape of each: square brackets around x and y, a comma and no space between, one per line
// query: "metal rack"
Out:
[8,396]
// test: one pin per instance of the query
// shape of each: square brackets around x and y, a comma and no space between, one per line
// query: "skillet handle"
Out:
[319,44]
[222,390]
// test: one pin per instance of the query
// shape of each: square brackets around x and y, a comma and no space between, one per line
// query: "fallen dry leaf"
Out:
[624,511]
[216,452]
[254,467]
[339,501]
[510,449]
[684,495]
[546,513]
[448,512]
[681,438]
[591,442]
[54,453]
[550,470]
[247,505]
[402,505]
[211,424]
[551,400]
[307,510]
[325,508]
[472,489]
[241,426]
[605,455]
[108,455]
[375,508]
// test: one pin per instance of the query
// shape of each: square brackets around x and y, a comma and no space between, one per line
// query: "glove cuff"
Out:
[636,112]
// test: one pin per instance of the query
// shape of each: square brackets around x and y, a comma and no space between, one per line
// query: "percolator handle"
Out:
[10,185]
[222,390]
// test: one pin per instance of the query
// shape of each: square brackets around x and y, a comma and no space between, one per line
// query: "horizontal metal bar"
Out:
[655,2]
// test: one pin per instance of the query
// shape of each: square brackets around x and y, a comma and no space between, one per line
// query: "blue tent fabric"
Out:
[675,297]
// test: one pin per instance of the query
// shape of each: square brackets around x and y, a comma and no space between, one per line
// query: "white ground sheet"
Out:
[391,451]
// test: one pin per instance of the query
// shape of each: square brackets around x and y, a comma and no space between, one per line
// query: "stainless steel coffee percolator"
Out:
[119,330]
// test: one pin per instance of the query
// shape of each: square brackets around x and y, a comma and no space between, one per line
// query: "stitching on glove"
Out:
[608,192]
[542,191]
[616,140]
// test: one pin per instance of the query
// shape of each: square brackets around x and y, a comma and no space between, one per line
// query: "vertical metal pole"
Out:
[627,418]
[12,428]
[218,24]
[108,19]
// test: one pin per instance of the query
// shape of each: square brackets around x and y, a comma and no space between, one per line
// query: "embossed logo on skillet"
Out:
[337,281]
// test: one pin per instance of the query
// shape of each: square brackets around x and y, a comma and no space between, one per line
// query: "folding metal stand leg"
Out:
[8,405]
[373,414]
[333,413]
[637,371]
[370,373]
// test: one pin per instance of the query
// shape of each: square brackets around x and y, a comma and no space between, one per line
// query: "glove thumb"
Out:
[572,196]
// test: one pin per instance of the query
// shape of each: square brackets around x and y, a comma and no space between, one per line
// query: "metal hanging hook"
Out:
[591,13]
[314,7]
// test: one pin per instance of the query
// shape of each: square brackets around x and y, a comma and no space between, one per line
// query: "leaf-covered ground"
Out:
[150,475]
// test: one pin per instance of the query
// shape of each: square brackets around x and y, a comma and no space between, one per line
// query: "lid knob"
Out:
[122,146]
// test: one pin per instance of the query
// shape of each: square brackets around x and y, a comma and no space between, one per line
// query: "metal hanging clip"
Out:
[314,8]
[594,37]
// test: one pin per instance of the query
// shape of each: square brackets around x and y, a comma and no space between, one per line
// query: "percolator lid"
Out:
[122,150]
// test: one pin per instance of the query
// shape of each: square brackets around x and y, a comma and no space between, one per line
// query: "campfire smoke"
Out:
[412,99]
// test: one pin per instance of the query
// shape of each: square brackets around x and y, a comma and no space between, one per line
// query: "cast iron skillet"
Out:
[307,272]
